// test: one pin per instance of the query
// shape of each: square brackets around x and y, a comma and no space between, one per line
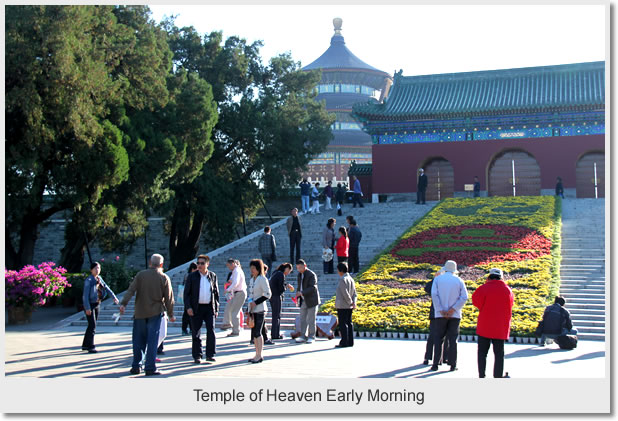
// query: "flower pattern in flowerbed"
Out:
[518,234]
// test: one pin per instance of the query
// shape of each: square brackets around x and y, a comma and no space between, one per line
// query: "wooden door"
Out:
[440,179]
[584,175]
[527,175]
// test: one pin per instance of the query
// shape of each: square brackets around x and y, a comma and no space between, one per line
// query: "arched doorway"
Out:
[585,175]
[440,179]
[527,175]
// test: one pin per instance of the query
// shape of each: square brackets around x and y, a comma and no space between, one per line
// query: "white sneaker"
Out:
[300,340]
[310,340]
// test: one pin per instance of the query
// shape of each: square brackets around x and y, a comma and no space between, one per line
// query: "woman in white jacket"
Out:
[259,292]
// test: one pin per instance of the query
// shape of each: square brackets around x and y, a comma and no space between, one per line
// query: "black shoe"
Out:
[256,361]
[197,361]
[434,368]
[453,368]
[279,337]
[92,351]
[160,353]
[269,342]
[341,346]
[85,348]
[153,373]
[135,371]
[211,359]
[425,362]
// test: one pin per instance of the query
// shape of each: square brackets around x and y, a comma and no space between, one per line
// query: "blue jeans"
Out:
[146,339]
[305,203]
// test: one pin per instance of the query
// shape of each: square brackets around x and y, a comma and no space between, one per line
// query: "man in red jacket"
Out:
[494,299]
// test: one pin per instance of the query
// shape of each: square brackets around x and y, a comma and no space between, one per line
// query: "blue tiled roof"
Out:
[579,86]
[339,57]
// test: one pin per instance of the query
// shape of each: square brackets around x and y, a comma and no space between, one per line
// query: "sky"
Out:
[419,39]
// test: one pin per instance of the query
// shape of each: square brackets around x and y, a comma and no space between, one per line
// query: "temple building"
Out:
[516,129]
[346,80]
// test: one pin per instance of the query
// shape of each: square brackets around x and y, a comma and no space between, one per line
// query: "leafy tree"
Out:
[269,128]
[76,76]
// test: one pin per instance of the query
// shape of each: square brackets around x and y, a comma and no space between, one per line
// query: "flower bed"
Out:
[518,234]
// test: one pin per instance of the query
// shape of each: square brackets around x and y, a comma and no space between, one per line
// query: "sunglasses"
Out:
[201,263]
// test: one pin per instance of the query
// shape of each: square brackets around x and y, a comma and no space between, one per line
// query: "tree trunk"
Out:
[184,235]
[72,257]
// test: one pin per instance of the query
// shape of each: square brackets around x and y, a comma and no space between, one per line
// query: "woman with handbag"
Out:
[259,292]
[328,244]
[95,291]
[343,246]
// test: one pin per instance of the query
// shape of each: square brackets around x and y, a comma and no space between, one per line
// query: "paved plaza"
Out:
[56,353]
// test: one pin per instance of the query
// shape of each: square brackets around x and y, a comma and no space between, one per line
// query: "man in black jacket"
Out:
[355,235]
[201,300]
[556,321]
[421,187]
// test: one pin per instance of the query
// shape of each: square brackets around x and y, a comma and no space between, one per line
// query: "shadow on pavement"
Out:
[598,354]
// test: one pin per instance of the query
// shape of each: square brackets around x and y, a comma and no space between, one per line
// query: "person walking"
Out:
[477,187]
[95,291]
[449,295]
[309,297]
[329,194]
[259,291]
[494,299]
[358,193]
[295,233]
[345,303]
[186,320]
[421,187]
[267,246]
[315,198]
[340,196]
[328,242]
[355,235]
[202,304]
[305,188]
[277,287]
[343,246]
[559,188]
[153,295]
[238,292]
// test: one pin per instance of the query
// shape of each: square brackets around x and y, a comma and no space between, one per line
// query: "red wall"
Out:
[395,166]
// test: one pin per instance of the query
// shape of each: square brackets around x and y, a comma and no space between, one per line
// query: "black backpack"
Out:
[567,341]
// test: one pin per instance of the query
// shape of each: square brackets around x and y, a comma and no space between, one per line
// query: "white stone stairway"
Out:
[582,269]
[381,224]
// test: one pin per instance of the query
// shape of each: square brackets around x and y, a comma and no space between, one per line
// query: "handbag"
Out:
[327,254]
[250,320]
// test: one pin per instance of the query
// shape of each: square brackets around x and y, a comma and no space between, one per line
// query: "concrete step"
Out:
[569,296]
[584,306]
[590,336]
[590,329]
[587,300]
[580,323]
[582,312]
[588,317]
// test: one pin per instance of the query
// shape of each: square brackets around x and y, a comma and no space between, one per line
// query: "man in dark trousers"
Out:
[295,232]
[310,300]
[556,321]
[477,187]
[355,235]
[202,304]
[421,187]
[494,299]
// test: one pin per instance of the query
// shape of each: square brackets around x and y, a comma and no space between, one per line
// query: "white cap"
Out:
[495,271]
[450,266]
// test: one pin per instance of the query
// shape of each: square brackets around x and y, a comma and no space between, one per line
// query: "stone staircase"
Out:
[582,269]
[380,223]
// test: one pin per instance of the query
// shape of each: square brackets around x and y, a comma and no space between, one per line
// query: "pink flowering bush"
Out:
[31,286]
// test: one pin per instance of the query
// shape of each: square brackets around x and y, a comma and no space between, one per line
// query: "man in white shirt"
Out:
[202,304]
[449,295]
[238,294]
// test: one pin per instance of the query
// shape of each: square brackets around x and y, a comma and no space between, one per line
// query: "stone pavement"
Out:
[56,353]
